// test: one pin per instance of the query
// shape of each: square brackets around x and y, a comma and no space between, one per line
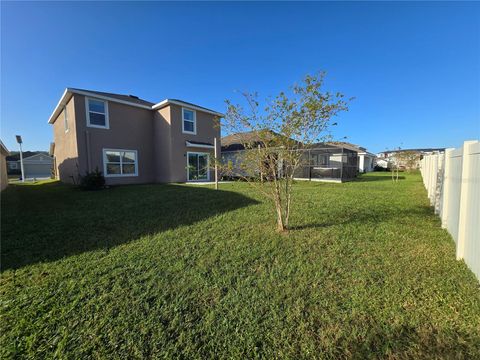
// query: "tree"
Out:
[276,135]
[395,165]
[408,159]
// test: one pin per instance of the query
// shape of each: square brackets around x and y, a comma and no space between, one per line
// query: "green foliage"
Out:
[276,135]
[181,271]
[93,180]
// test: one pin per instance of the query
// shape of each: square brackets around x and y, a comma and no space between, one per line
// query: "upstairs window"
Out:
[189,121]
[65,118]
[97,113]
[120,162]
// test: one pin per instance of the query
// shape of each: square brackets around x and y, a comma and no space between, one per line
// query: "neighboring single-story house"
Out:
[3,166]
[321,162]
[36,164]
[131,140]
[13,160]
[366,161]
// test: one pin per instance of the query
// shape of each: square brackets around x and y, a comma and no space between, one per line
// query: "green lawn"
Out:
[177,271]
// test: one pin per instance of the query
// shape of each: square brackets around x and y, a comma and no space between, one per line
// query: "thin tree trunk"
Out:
[288,198]
[280,224]
[277,196]
[278,208]
[287,210]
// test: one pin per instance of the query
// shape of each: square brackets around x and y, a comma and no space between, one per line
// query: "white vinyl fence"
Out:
[452,180]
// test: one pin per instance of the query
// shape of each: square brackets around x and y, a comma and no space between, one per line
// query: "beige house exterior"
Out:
[132,141]
[3,166]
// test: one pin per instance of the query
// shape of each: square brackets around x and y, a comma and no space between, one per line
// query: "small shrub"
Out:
[93,180]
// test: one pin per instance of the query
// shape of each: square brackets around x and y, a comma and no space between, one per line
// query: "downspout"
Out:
[89,160]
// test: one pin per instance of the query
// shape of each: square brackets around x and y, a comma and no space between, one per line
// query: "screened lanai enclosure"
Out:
[328,163]
[321,162]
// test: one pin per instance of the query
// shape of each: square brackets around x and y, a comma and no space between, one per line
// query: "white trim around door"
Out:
[198,165]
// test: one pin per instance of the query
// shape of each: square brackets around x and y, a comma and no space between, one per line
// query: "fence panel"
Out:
[452,181]
[454,178]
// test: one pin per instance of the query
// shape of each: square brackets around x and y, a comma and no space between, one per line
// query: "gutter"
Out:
[67,94]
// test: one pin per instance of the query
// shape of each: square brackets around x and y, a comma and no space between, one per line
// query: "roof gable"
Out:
[15,155]
[38,158]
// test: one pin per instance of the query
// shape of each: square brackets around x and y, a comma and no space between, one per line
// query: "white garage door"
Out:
[37,170]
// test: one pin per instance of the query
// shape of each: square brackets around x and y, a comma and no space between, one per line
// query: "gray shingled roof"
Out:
[347,145]
[191,104]
[15,155]
[236,141]
[129,98]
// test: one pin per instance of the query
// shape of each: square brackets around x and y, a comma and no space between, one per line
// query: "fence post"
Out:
[440,176]
[464,198]
[430,178]
[433,171]
[447,181]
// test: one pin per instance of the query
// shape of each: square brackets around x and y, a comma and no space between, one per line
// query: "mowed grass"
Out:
[182,271]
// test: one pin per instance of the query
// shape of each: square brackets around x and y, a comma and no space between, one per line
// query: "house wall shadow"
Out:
[69,170]
[54,220]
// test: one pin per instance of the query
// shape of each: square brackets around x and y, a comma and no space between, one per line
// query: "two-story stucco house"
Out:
[131,140]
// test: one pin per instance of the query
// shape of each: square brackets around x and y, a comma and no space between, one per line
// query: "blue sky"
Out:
[414,68]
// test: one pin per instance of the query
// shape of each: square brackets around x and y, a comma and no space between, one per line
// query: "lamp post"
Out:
[216,162]
[19,141]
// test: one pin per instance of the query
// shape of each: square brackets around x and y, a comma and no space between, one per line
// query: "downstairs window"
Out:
[120,162]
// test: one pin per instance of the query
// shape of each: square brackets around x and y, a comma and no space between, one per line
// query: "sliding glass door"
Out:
[197,168]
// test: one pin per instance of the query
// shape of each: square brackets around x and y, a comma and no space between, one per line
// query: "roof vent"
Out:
[133,96]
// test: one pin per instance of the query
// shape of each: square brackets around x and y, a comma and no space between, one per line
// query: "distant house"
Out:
[3,166]
[420,151]
[36,164]
[383,163]
[13,160]
[391,156]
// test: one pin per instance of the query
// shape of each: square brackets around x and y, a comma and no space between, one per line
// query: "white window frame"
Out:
[104,155]
[65,119]
[87,109]
[208,165]
[194,132]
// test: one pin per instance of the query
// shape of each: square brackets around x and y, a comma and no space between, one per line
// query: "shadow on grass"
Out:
[50,221]
[369,178]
